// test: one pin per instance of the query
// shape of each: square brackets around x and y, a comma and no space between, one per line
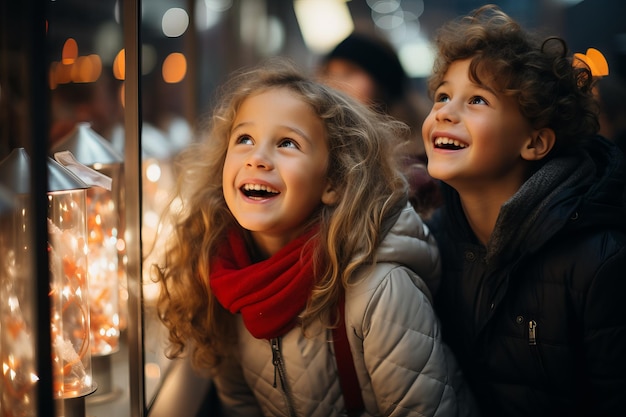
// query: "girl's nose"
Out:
[260,158]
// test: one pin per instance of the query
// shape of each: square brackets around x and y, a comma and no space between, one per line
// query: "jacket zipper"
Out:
[532,333]
[534,348]
[279,370]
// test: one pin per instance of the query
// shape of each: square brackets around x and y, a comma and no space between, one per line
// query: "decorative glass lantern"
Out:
[104,237]
[69,287]
[17,347]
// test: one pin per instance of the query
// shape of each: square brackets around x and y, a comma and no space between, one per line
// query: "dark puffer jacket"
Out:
[537,318]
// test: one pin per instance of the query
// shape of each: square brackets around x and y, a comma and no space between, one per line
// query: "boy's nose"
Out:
[447,113]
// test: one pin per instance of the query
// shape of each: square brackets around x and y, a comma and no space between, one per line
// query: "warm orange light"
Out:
[70,51]
[80,69]
[89,68]
[595,60]
[52,79]
[63,73]
[86,69]
[119,65]
[122,97]
[96,64]
[174,68]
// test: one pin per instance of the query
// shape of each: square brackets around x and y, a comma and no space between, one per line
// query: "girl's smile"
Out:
[256,191]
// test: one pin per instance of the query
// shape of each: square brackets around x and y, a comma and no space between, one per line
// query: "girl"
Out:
[291,205]
[533,231]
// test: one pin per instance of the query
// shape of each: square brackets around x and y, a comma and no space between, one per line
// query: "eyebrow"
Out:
[480,86]
[238,126]
[443,82]
[487,88]
[295,130]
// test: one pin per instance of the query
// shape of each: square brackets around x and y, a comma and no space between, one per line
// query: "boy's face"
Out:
[274,174]
[474,136]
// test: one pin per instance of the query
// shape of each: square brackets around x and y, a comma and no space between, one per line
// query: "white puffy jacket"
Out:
[402,365]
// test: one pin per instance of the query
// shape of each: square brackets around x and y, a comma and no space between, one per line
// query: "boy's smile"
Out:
[443,142]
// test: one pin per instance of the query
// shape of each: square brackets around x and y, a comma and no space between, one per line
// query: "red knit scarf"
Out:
[269,294]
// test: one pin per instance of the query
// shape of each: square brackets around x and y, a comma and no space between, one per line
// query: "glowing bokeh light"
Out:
[119,65]
[70,51]
[175,22]
[174,68]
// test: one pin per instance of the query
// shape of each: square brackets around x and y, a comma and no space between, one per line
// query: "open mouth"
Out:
[449,144]
[258,191]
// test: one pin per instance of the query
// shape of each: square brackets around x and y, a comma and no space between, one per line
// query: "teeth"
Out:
[259,187]
[448,141]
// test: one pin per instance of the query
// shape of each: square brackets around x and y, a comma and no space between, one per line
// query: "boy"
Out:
[533,231]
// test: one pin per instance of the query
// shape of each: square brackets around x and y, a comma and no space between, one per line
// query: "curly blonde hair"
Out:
[370,187]
[550,90]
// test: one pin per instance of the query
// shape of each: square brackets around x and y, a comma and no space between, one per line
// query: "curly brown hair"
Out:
[362,169]
[550,90]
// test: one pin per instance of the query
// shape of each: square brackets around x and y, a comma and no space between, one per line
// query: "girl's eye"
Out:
[244,139]
[287,143]
[477,100]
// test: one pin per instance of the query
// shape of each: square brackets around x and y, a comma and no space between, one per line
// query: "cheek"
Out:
[229,174]
[227,189]
[225,173]
[311,178]
[426,127]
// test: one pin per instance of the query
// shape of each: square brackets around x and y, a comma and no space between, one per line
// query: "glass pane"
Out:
[85,41]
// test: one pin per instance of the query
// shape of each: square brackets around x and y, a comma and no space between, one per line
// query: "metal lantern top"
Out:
[6,200]
[15,174]
[88,146]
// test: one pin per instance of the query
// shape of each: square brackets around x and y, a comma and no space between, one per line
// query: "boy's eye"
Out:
[442,98]
[477,100]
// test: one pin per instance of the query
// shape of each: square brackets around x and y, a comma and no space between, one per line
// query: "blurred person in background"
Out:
[367,67]
[611,93]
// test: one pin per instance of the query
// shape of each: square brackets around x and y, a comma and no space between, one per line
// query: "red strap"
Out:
[345,365]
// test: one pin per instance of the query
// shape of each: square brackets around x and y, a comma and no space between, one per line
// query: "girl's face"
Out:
[474,136]
[275,168]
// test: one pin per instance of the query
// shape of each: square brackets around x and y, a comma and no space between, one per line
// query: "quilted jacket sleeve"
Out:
[404,367]
[235,396]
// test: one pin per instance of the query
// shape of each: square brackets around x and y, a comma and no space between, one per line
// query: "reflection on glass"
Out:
[103,215]
[94,160]
[69,294]
[69,289]
[158,181]
[17,350]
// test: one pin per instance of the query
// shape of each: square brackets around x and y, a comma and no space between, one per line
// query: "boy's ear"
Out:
[539,144]
[329,196]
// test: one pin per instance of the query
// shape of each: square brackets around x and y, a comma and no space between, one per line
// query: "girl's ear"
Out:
[329,196]
[539,145]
